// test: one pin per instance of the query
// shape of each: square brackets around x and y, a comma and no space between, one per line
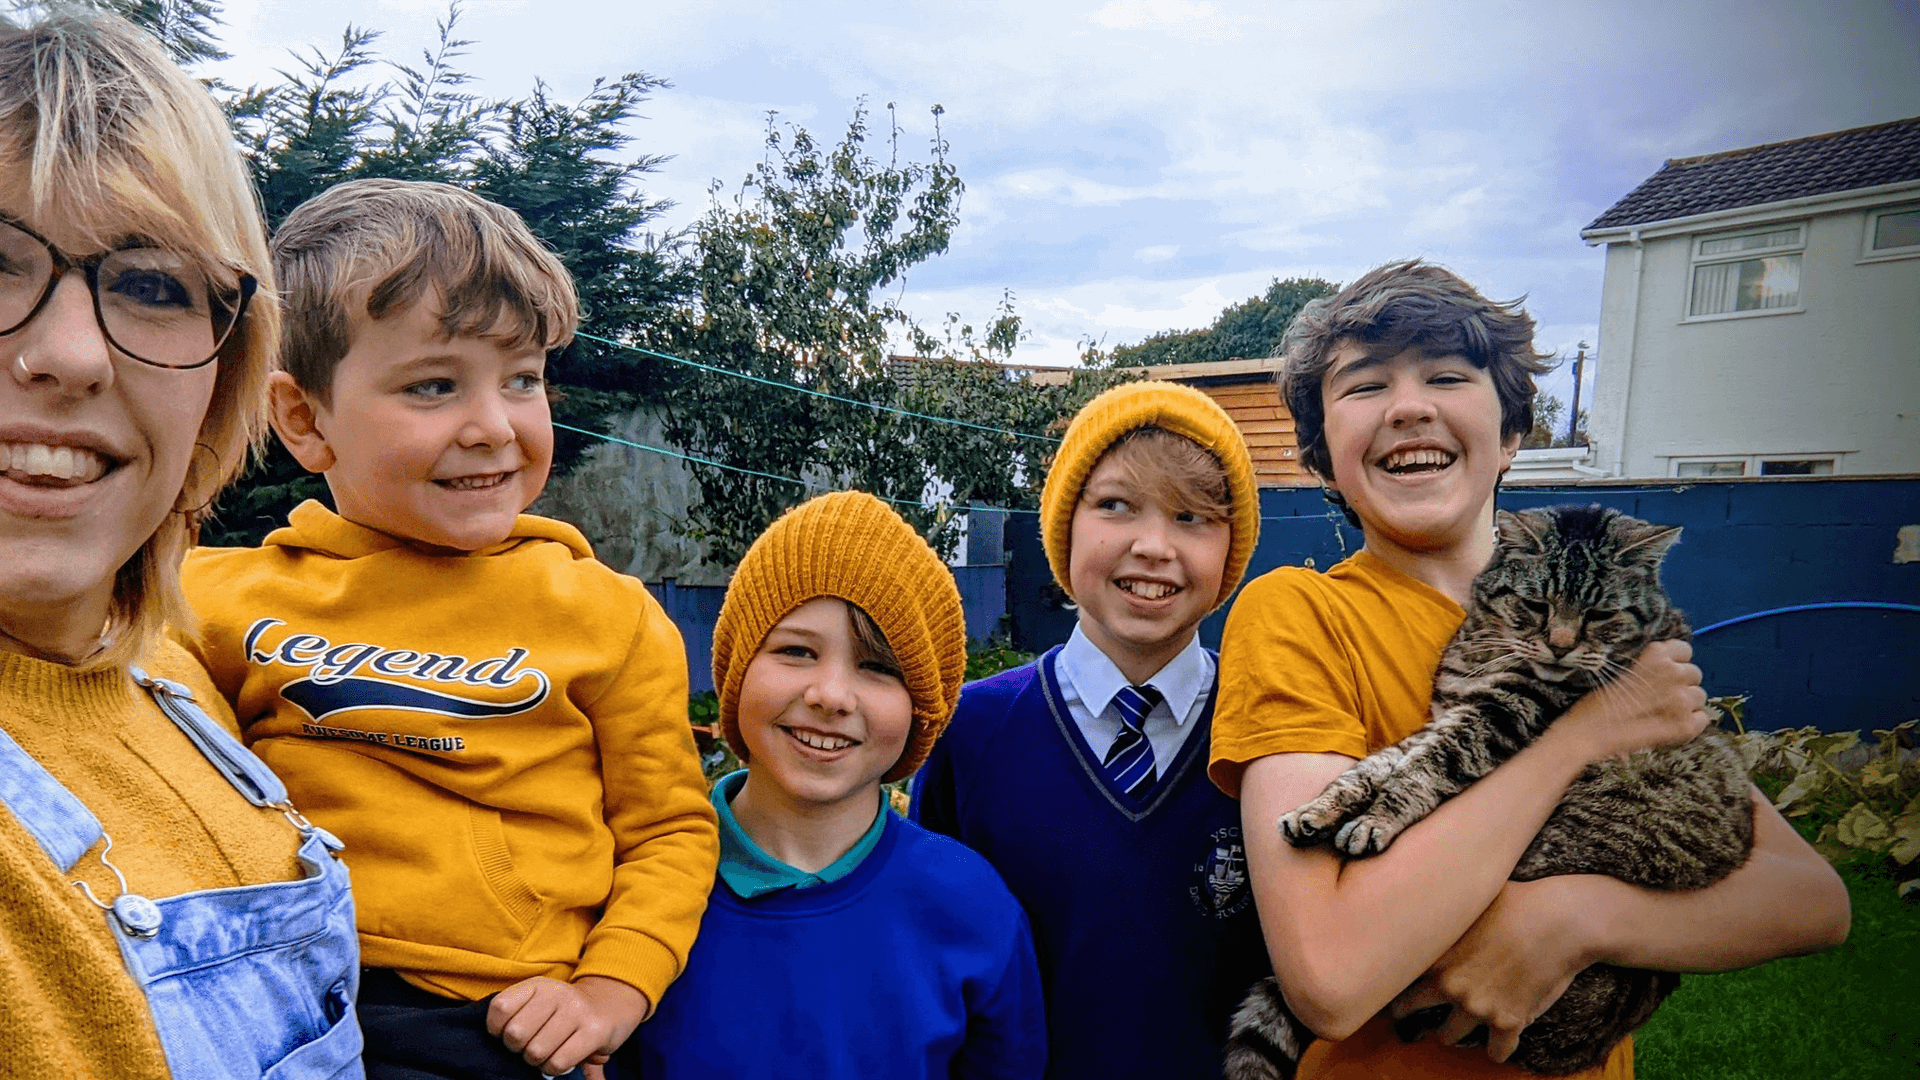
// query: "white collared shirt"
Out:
[1089,680]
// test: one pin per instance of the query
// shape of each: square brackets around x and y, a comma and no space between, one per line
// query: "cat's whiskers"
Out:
[1498,644]
[1499,654]
[1613,668]
[1506,658]
[1481,640]
[1590,661]
[1634,686]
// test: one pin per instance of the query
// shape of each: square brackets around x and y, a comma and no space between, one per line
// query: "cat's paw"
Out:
[1295,829]
[1368,834]
[1311,823]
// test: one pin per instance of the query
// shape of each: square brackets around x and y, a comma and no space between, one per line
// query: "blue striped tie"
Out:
[1129,761]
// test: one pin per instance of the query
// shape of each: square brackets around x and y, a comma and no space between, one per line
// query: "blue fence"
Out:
[695,608]
[1750,546]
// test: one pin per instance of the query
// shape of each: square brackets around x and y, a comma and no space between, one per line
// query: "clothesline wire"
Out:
[809,390]
[917,504]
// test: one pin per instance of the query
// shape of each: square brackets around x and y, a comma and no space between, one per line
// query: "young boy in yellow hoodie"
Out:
[493,721]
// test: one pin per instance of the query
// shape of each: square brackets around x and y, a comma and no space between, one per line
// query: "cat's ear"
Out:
[1519,531]
[1642,542]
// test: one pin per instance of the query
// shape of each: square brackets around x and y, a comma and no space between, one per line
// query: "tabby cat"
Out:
[1571,597]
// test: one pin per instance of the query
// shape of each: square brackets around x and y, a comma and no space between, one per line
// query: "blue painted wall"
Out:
[695,609]
[1750,545]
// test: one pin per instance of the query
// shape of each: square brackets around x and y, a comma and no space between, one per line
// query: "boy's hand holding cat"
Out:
[556,1025]
[1656,702]
[1508,968]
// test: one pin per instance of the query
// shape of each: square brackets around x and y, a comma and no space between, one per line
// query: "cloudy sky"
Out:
[1136,165]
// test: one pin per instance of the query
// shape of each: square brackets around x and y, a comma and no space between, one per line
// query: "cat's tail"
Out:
[1265,1040]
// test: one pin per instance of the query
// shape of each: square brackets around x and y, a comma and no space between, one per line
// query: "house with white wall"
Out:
[1761,312]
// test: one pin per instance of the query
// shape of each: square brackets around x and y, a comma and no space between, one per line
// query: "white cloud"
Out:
[1194,19]
[1130,163]
[1060,185]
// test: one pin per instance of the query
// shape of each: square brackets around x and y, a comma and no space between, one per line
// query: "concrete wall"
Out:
[1841,377]
[630,503]
[1749,546]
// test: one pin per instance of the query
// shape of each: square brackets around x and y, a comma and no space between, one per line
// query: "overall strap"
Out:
[247,773]
[62,824]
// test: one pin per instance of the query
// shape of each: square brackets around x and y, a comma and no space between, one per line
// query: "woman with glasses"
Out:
[163,910]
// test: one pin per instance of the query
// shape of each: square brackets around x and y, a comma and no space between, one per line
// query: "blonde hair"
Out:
[114,140]
[1174,470]
[372,247]
[1162,416]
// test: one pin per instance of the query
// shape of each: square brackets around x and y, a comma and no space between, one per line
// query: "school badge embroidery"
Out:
[1220,889]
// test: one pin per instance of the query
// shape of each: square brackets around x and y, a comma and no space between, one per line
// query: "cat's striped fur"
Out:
[1571,597]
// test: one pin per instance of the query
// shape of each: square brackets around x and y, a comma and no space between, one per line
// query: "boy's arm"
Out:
[207,590]
[934,806]
[666,844]
[1007,1029]
[1346,937]
[1520,954]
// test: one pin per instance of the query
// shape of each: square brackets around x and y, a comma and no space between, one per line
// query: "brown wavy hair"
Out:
[1407,305]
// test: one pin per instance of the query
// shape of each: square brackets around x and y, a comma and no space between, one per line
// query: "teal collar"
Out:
[749,871]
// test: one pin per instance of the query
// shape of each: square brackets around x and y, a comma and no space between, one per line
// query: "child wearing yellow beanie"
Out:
[1082,776]
[853,942]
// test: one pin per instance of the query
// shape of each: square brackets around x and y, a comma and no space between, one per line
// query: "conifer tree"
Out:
[347,114]
[185,28]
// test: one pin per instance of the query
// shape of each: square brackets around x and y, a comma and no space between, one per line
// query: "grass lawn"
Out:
[1851,1013]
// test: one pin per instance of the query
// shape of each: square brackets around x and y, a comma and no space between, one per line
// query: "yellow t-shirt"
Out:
[1343,663]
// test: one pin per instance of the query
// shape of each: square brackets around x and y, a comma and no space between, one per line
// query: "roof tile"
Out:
[1864,157]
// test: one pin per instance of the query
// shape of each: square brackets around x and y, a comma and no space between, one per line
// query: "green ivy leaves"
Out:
[1853,797]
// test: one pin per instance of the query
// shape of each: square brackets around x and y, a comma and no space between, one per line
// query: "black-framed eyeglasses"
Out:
[154,305]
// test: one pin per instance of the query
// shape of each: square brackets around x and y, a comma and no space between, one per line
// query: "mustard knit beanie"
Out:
[1126,408]
[850,545]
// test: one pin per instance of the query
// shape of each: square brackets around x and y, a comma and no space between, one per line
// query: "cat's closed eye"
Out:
[1527,611]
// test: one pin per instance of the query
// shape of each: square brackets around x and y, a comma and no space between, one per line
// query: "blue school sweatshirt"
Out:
[918,964]
[1142,915]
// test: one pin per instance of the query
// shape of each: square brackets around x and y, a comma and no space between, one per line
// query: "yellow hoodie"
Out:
[501,739]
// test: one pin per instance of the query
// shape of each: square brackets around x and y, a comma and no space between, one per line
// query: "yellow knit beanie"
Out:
[1129,407]
[850,545]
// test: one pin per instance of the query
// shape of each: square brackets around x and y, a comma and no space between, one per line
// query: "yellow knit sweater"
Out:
[67,1006]
[500,737]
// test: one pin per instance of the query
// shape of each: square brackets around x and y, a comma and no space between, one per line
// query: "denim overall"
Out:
[255,981]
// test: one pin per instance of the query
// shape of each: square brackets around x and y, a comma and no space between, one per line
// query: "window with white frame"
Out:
[1755,465]
[1755,271]
[1711,467]
[1893,233]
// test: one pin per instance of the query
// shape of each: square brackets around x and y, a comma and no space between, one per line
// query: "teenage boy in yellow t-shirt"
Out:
[1410,393]
[492,720]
